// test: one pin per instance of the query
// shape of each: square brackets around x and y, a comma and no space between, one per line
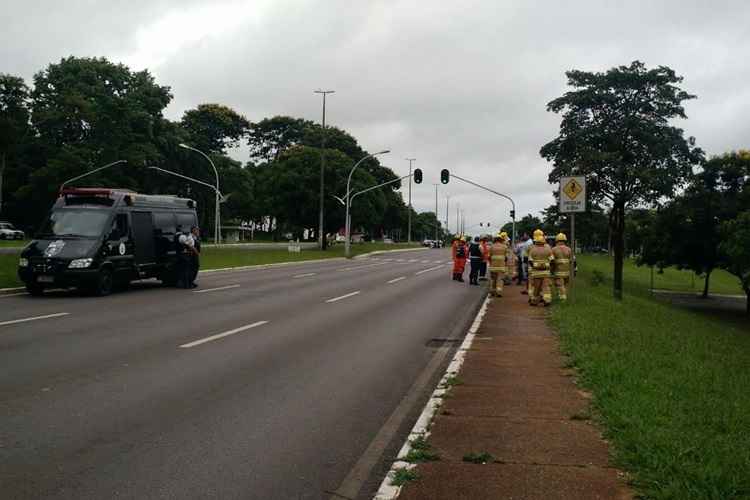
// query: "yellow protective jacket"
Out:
[562,255]
[540,261]
[498,256]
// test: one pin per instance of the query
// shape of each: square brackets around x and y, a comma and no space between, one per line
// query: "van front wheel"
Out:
[104,282]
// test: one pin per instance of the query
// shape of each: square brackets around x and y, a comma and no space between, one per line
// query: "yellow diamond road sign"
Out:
[572,189]
[573,194]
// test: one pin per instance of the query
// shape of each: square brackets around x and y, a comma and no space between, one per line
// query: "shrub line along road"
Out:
[259,384]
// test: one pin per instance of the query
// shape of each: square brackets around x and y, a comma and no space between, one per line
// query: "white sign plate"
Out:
[572,194]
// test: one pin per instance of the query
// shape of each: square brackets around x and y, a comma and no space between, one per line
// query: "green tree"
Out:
[527,225]
[689,228]
[616,131]
[88,112]
[14,122]
[214,127]
[736,247]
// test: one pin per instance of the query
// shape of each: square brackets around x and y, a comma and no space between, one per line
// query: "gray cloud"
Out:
[458,85]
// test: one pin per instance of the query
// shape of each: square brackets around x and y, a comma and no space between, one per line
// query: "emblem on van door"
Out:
[121,248]
[54,248]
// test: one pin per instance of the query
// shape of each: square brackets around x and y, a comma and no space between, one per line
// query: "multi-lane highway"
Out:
[293,382]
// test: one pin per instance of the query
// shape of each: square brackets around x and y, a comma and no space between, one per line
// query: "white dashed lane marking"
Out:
[228,287]
[427,270]
[34,318]
[222,335]
[342,297]
[306,275]
[397,279]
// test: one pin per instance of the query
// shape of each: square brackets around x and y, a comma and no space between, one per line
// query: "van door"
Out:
[143,234]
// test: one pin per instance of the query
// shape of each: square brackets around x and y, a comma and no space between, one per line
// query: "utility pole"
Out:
[458,223]
[321,235]
[408,236]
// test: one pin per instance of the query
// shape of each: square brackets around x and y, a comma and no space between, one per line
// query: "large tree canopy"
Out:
[616,130]
[14,123]
[214,127]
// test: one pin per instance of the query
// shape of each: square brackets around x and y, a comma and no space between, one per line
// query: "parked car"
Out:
[8,232]
[427,243]
[388,241]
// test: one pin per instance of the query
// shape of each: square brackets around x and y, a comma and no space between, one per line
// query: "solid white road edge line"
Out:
[24,320]
[388,491]
[427,270]
[216,289]
[297,276]
[336,299]
[397,279]
[222,335]
[13,294]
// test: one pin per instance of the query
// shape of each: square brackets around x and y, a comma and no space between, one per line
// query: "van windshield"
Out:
[82,223]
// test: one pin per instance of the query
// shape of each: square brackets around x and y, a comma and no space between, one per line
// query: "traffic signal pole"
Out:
[513,203]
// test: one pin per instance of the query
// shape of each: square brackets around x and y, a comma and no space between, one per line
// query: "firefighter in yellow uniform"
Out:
[538,233]
[540,264]
[498,265]
[561,271]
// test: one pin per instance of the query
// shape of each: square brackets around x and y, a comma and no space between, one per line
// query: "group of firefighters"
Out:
[538,264]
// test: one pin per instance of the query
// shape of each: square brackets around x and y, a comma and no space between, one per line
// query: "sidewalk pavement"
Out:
[517,402]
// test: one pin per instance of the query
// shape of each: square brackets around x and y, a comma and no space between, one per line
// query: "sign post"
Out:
[572,200]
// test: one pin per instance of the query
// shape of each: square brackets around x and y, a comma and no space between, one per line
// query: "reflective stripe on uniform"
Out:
[497,269]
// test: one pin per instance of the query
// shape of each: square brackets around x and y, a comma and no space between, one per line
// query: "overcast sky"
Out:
[458,85]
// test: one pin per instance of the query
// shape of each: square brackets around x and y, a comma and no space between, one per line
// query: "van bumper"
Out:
[70,278]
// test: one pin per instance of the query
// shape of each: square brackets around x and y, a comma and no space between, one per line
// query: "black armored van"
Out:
[97,239]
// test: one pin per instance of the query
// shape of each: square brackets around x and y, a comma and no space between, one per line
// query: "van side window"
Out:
[165,222]
[121,227]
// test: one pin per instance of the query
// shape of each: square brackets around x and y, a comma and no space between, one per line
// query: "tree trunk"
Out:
[705,284]
[618,242]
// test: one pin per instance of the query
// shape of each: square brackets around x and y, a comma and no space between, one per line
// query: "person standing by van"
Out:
[195,255]
[185,248]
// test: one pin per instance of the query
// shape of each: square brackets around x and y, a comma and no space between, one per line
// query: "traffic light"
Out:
[445,176]
[513,214]
[418,176]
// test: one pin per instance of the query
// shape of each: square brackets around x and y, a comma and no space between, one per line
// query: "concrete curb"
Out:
[8,291]
[388,491]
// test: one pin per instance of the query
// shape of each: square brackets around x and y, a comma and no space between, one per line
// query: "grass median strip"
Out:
[671,386]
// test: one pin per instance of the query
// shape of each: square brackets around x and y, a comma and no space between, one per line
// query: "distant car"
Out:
[427,243]
[8,232]
[388,241]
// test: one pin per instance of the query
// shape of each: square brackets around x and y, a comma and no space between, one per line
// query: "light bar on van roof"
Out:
[93,191]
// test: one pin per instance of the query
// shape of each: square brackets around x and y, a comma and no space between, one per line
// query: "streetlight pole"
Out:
[447,213]
[217,213]
[408,231]
[164,170]
[347,223]
[92,172]
[321,236]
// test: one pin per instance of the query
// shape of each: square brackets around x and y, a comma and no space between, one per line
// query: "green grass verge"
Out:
[8,268]
[13,243]
[218,257]
[671,279]
[671,386]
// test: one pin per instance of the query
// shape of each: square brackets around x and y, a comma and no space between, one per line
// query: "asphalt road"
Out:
[267,384]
